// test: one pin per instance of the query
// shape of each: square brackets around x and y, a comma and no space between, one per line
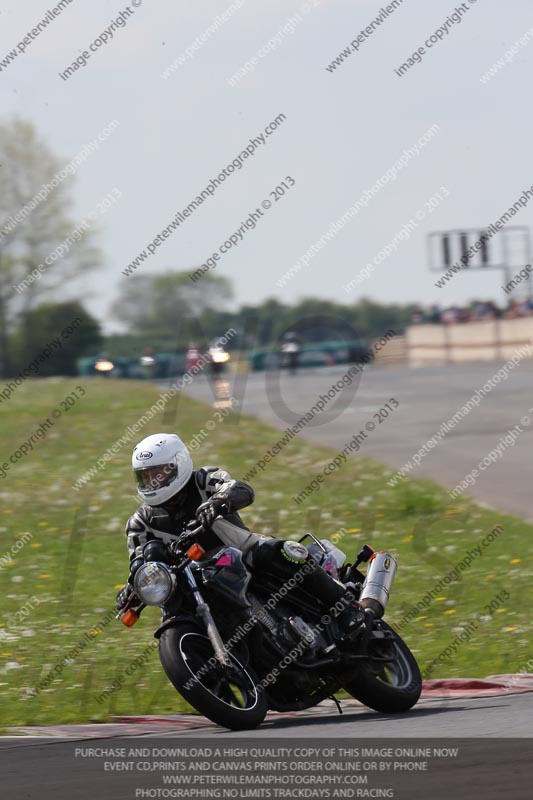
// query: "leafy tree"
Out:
[375,319]
[43,324]
[161,308]
[316,320]
[33,224]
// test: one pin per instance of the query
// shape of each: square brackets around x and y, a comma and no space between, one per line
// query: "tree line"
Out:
[47,260]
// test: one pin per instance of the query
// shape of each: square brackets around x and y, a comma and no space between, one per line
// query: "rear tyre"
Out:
[388,686]
[229,696]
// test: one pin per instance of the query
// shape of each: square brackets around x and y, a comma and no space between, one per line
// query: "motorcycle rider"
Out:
[290,349]
[173,493]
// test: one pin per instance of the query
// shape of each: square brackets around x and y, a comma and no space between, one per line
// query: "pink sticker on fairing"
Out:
[224,561]
[330,566]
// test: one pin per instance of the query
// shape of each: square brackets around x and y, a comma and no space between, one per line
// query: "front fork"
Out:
[204,612]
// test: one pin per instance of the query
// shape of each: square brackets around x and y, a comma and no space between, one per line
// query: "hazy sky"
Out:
[343,130]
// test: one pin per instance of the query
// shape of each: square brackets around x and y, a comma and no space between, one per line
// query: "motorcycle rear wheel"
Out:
[391,687]
[228,696]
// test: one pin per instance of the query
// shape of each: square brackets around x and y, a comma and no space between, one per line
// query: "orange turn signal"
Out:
[129,618]
[195,552]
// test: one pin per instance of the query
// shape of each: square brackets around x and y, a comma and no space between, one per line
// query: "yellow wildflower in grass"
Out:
[451,611]
[36,544]
[7,511]
[515,561]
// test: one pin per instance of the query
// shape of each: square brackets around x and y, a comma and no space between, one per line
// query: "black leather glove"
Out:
[208,511]
[123,595]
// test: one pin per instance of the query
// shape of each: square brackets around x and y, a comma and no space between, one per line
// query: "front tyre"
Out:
[229,696]
[390,680]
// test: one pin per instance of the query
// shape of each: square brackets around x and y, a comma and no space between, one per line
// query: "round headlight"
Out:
[154,583]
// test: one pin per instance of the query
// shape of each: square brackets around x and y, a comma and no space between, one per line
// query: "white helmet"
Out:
[162,465]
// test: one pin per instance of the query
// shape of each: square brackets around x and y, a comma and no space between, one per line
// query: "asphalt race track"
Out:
[428,397]
[493,762]
[498,717]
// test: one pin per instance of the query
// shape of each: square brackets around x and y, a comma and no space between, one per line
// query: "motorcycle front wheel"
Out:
[228,696]
[392,685]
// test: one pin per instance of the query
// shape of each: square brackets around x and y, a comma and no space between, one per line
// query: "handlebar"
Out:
[195,531]
[177,547]
[189,535]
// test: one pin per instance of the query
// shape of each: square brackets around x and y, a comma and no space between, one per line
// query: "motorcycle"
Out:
[235,643]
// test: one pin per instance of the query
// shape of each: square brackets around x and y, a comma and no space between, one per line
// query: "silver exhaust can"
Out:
[378,582]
